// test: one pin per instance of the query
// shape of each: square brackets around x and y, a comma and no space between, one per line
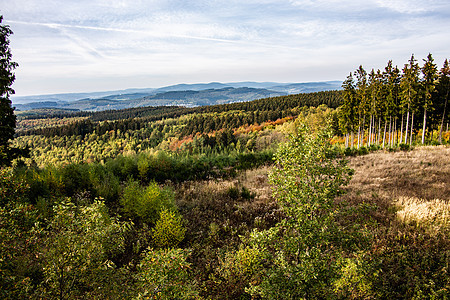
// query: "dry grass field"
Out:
[393,219]
[401,186]
[409,186]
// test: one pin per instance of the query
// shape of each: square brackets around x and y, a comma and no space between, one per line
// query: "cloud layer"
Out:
[91,45]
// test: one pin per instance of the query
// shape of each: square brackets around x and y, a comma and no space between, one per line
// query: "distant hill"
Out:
[189,95]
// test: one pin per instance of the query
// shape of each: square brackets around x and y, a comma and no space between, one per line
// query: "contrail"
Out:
[158,35]
[58,25]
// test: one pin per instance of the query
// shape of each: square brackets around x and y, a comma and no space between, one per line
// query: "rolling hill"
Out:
[189,95]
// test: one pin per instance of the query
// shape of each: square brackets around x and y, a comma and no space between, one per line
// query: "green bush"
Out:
[164,274]
[76,259]
[404,147]
[350,151]
[301,250]
[363,150]
[11,189]
[169,230]
[146,203]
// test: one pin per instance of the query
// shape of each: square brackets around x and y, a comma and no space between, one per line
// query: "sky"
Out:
[99,45]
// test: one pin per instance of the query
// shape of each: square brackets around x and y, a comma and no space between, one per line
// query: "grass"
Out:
[433,215]
[423,173]
[395,213]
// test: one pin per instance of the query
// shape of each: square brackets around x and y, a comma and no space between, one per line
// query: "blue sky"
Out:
[96,45]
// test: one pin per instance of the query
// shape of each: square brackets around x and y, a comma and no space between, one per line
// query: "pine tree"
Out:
[429,72]
[444,90]
[347,112]
[362,99]
[7,117]
[409,85]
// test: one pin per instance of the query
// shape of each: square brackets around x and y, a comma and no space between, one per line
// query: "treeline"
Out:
[383,107]
[258,111]
[166,135]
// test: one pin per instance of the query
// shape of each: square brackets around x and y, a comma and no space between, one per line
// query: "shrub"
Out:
[11,189]
[79,242]
[404,147]
[163,274]
[237,270]
[363,150]
[302,256]
[374,147]
[146,203]
[350,151]
[169,230]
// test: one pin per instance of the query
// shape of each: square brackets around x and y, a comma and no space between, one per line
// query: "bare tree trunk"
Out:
[390,128]
[412,128]
[407,124]
[384,135]
[362,130]
[395,138]
[352,140]
[424,125]
[370,131]
[401,129]
[379,131]
[346,140]
[442,122]
[359,130]
[374,133]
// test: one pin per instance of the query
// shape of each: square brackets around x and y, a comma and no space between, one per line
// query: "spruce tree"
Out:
[444,91]
[409,86]
[429,71]
[7,117]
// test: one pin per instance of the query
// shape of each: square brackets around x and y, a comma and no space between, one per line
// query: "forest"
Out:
[326,195]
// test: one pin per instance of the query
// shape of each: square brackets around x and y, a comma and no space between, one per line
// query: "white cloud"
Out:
[168,40]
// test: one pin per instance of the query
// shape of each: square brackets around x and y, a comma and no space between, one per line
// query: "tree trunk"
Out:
[443,118]
[390,128]
[395,137]
[352,140]
[379,131]
[370,131]
[374,130]
[401,129]
[362,130]
[407,124]
[384,135]
[412,128]
[424,125]
[359,131]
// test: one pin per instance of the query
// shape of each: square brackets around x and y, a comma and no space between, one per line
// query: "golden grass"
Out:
[407,182]
[423,173]
[434,214]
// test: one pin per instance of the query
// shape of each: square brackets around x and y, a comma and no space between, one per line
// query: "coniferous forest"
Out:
[326,195]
